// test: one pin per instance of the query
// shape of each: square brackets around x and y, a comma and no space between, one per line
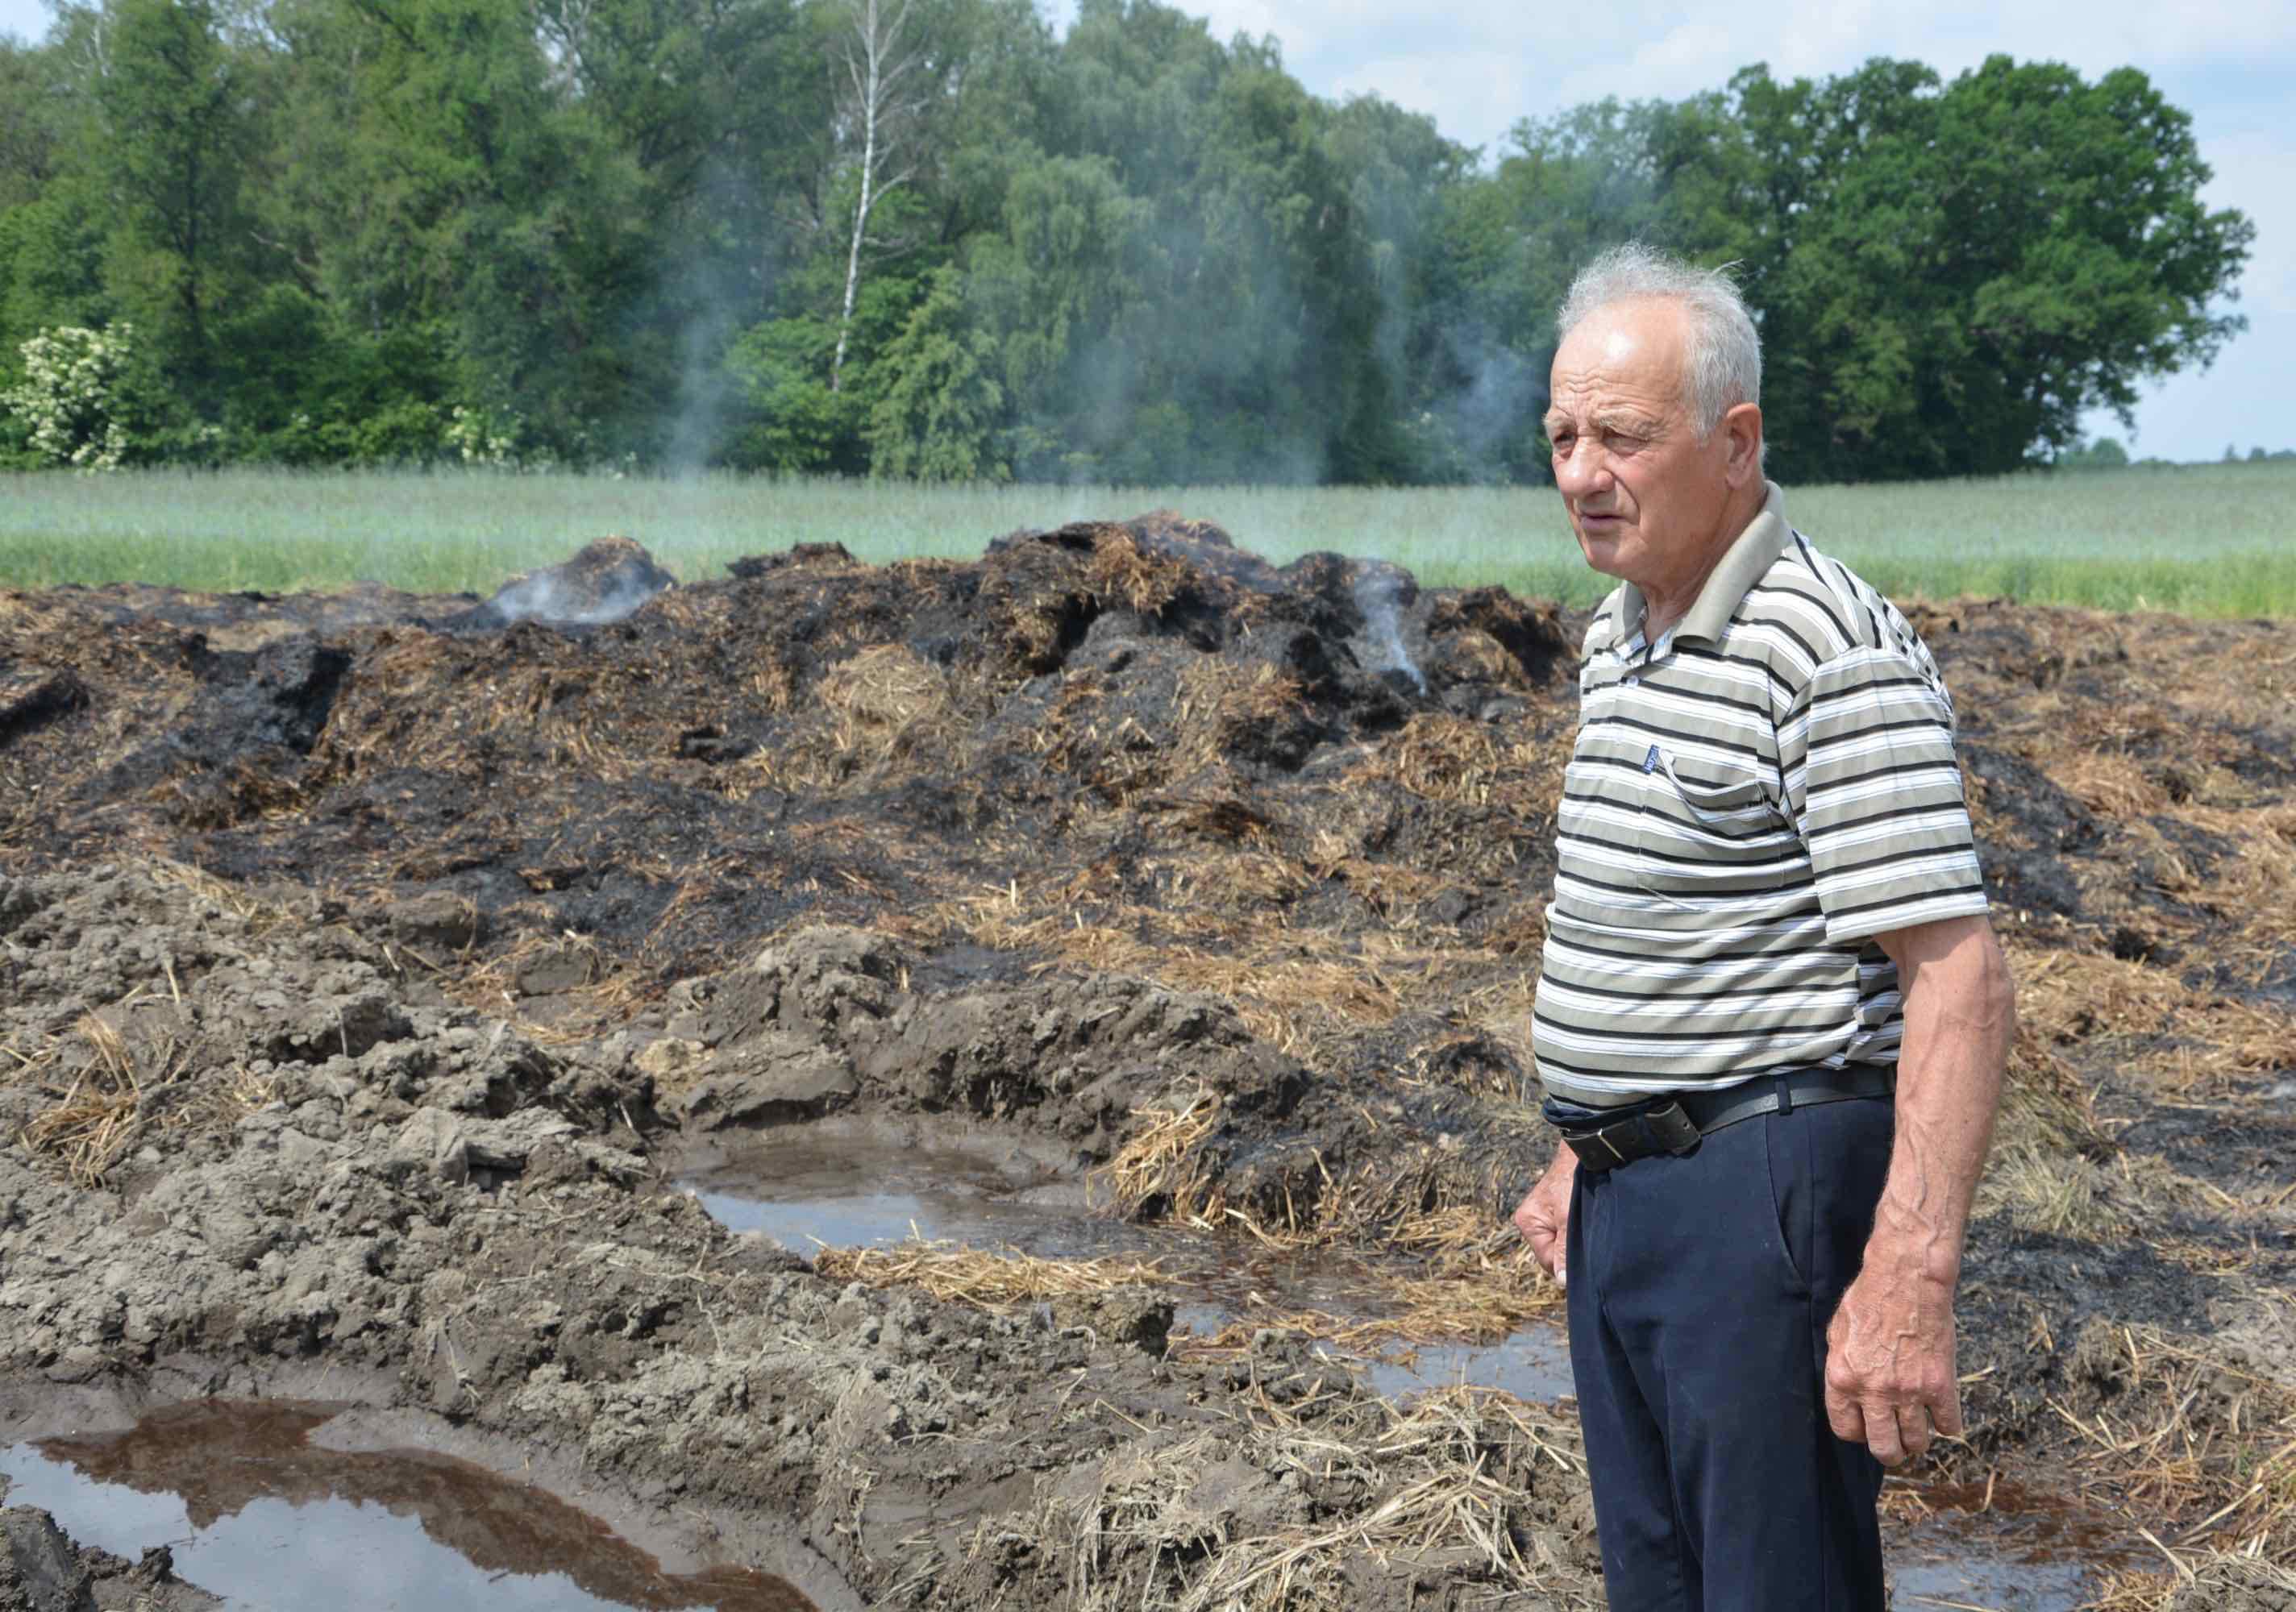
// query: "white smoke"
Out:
[547,597]
[1379,595]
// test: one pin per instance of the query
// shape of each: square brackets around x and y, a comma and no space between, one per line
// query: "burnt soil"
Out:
[365,965]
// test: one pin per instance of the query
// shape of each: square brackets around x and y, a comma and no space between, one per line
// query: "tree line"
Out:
[941,239]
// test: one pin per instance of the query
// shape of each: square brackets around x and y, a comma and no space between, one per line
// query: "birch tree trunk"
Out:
[874,67]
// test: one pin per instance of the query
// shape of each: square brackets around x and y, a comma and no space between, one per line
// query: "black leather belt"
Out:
[1673,1126]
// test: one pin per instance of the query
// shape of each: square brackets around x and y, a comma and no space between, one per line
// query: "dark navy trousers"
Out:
[1699,1290]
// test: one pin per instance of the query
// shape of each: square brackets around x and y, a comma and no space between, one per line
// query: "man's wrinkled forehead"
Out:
[1628,357]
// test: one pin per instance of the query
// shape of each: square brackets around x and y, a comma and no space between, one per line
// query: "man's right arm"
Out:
[1544,1217]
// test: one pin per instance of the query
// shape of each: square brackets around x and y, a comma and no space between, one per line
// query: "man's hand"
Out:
[1889,1380]
[1544,1216]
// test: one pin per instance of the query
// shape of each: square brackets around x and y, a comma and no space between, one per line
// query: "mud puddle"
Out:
[1535,1363]
[2003,1547]
[1980,1583]
[805,1192]
[853,1188]
[257,1513]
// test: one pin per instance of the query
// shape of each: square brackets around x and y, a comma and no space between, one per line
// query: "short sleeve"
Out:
[1871,781]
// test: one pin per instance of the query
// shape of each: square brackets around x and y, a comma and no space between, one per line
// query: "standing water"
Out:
[259,1515]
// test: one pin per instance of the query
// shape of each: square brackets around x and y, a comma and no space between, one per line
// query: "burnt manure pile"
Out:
[375,968]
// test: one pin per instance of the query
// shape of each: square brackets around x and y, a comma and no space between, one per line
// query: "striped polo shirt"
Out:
[1751,800]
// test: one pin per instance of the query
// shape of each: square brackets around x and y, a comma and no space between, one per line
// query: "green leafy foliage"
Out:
[796,422]
[1976,264]
[633,230]
[935,419]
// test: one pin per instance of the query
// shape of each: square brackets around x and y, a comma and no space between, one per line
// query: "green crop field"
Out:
[2215,540]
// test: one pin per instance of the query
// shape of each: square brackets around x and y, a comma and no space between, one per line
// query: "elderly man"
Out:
[1772,1015]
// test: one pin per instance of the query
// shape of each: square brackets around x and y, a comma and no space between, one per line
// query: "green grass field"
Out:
[2216,540]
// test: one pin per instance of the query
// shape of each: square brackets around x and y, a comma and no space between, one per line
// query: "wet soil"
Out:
[44,1569]
[376,981]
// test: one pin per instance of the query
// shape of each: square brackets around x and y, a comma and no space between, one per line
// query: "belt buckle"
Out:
[1595,1149]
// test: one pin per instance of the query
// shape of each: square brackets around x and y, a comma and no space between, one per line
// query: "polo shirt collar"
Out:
[1751,554]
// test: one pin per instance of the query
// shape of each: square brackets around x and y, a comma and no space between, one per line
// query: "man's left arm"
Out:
[1890,1373]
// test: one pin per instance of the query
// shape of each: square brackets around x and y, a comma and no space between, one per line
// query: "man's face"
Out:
[1646,496]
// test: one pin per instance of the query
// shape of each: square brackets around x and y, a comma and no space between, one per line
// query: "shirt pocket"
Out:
[1730,799]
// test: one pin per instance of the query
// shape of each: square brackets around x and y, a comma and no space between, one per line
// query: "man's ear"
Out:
[1741,431]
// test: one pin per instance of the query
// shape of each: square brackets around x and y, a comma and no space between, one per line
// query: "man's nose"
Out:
[1584,471]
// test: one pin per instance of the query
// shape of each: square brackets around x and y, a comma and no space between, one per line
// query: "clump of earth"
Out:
[368,969]
[42,1570]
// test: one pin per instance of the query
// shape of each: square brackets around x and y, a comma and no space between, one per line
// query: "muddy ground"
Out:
[371,965]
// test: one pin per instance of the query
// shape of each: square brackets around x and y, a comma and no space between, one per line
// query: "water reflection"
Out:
[260,1516]
[1535,1363]
[1980,1583]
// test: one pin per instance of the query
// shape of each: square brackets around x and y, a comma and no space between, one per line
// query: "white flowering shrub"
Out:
[69,402]
[480,438]
[495,439]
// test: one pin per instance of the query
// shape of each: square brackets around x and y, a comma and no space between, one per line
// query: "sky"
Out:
[1477,66]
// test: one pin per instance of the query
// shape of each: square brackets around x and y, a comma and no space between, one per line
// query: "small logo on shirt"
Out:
[1650,762]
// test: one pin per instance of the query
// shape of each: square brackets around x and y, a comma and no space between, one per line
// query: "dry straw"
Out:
[1459,1476]
[101,1093]
[95,1119]
[1462,1291]
[986,1279]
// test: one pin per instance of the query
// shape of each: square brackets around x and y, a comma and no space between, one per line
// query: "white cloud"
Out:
[1636,50]
[1684,60]
[1442,84]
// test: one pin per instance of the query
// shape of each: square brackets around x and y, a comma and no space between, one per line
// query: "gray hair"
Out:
[1725,357]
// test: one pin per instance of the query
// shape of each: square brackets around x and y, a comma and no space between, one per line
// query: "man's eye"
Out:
[1562,445]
